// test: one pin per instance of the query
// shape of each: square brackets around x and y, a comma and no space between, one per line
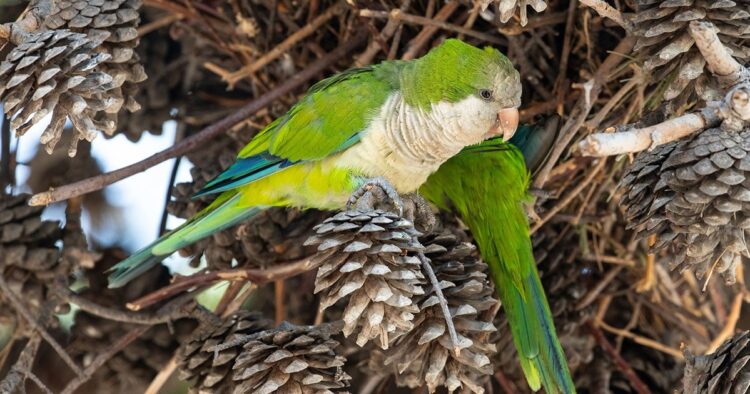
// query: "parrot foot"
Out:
[418,211]
[374,192]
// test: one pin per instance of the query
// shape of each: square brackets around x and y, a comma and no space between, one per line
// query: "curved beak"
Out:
[508,119]
[505,124]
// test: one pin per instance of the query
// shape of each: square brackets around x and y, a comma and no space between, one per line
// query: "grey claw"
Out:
[369,194]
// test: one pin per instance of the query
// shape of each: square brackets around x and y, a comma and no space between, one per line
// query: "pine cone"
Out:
[724,371]
[670,52]
[208,370]
[426,355]
[369,265]
[115,23]
[697,202]
[507,8]
[290,359]
[30,257]
[54,72]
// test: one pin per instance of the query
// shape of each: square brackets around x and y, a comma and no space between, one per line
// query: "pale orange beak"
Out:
[505,124]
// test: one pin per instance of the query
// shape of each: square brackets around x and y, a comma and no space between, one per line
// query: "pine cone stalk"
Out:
[425,355]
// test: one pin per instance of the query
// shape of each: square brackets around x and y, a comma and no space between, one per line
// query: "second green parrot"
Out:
[486,185]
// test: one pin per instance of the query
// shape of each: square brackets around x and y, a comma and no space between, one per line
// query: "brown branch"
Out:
[373,47]
[401,16]
[19,306]
[199,140]
[15,378]
[584,106]
[607,11]
[570,196]
[718,58]
[204,279]
[95,309]
[418,43]
[623,365]
[103,357]
[636,140]
[728,330]
[285,45]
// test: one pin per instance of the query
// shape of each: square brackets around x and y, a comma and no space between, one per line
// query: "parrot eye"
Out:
[486,94]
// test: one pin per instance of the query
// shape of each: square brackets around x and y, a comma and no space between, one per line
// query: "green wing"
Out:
[329,119]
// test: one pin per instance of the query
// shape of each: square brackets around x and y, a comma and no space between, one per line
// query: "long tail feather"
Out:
[223,213]
[542,358]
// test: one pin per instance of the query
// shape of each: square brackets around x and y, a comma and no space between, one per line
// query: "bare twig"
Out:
[569,197]
[608,144]
[120,316]
[718,59]
[21,369]
[584,106]
[103,357]
[607,11]
[206,134]
[418,43]
[399,15]
[246,274]
[623,365]
[161,378]
[728,330]
[427,268]
[641,340]
[388,31]
[24,311]
[285,45]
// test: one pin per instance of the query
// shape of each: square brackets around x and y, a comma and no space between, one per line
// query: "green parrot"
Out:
[397,121]
[486,185]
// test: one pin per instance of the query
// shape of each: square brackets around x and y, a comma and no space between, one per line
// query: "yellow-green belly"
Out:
[318,185]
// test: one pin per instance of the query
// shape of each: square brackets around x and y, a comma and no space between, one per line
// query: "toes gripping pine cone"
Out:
[724,371]
[54,72]
[669,52]
[693,195]
[426,355]
[244,356]
[372,263]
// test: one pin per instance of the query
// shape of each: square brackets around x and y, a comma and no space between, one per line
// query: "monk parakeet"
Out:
[486,185]
[398,120]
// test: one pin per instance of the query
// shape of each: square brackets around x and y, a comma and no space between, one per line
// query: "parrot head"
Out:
[477,88]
